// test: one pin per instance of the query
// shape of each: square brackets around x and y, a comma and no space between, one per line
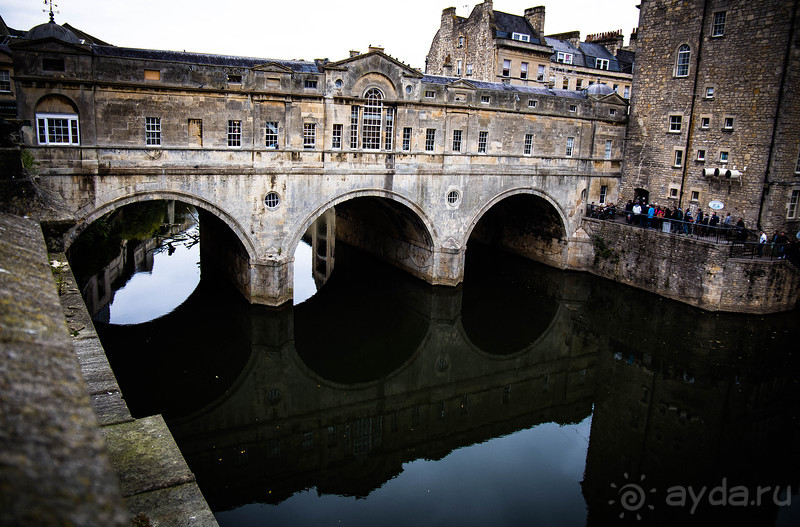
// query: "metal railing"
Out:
[769,250]
[689,229]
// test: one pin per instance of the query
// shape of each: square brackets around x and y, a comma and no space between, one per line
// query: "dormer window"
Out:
[564,58]
[522,37]
[601,64]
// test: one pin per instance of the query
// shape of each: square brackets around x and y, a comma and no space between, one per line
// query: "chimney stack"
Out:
[535,17]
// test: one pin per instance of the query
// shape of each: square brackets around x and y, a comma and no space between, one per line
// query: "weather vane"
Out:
[52,4]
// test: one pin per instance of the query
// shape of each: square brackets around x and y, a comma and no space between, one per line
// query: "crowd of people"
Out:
[639,213]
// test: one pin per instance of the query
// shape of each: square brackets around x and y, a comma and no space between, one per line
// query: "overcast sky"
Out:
[304,29]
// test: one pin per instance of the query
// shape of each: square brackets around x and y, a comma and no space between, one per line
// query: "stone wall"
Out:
[695,272]
[726,106]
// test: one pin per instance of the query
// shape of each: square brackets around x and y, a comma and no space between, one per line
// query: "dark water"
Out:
[527,396]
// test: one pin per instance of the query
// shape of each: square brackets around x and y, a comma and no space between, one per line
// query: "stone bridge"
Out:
[419,222]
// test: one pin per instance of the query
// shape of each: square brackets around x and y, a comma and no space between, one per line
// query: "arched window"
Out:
[377,122]
[373,111]
[682,64]
[57,121]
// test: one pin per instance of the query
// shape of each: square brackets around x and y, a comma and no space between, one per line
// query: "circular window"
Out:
[274,396]
[338,83]
[452,197]
[408,89]
[272,200]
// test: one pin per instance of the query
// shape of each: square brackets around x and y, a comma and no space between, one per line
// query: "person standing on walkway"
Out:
[762,242]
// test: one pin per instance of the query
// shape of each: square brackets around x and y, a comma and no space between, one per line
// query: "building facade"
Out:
[715,119]
[495,46]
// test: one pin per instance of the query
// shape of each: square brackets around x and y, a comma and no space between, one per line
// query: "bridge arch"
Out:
[538,233]
[430,233]
[88,214]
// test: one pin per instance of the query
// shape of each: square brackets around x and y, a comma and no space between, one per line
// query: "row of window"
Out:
[685,51]
[676,123]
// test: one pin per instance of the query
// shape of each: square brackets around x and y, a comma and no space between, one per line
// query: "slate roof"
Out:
[565,47]
[501,86]
[507,24]
[598,51]
[298,66]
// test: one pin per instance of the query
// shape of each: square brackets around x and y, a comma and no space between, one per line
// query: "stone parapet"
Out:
[695,272]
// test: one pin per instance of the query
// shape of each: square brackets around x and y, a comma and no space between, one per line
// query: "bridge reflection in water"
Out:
[343,391]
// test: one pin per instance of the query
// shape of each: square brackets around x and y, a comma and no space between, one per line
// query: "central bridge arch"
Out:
[383,223]
[524,221]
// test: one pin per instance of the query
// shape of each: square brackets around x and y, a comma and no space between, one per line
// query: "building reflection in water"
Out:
[379,369]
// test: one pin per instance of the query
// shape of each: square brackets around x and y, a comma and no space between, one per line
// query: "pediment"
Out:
[462,84]
[272,67]
[49,44]
[375,61]
[612,98]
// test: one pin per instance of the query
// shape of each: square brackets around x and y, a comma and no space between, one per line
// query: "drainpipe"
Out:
[689,133]
[786,57]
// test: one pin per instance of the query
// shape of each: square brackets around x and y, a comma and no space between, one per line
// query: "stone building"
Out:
[495,46]
[714,111]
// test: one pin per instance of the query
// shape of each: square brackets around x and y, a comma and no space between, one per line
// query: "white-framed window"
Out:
[603,194]
[522,37]
[727,123]
[570,146]
[626,92]
[371,120]
[152,131]
[483,137]
[407,138]
[682,61]
[506,68]
[527,147]
[456,140]
[723,156]
[797,166]
[271,134]
[675,122]
[523,70]
[540,71]
[485,99]
[388,129]
[578,84]
[564,58]
[310,84]
[469,69]
[573,108]
[601,64]
[354,111]
[565,83]
[57,129]
[705,123]
[458,67]
[609,145]
[718,27]
[309,135]
[430,139]
[430,94]
[234,133]
[5,81]
[531,103]
[460,42]
[791,207]
[336,137]
[709,92]
[677,160]
[701,155]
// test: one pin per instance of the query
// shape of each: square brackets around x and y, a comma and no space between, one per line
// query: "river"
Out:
[526,396]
